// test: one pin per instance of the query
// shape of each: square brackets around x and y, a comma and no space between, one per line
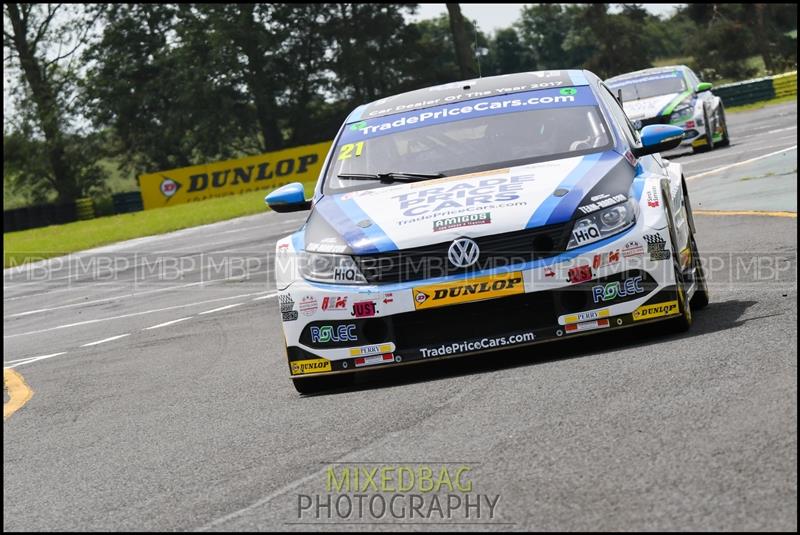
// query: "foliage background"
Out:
[105,92]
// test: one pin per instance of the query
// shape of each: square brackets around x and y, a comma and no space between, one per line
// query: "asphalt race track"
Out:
[160,397]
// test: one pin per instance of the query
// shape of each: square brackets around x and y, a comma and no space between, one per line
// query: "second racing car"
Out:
[676,96]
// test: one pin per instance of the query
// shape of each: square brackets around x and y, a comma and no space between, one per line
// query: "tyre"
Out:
[700,298]
[315,385]
[726,140]
[683,322]
[709,134]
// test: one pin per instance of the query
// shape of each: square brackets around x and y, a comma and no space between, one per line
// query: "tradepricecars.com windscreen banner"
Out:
[232,177]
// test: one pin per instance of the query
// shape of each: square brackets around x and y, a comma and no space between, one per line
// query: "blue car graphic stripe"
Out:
[342,224]
[542,214]
[570,202]
[344,217]
[377,239]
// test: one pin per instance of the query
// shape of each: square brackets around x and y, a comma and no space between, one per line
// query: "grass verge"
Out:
[57,240]
[762,104]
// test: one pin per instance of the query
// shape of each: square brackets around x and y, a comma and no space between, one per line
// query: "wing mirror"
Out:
[658,138]
[288,198]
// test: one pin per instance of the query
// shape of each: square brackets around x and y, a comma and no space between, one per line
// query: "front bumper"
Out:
[619,282]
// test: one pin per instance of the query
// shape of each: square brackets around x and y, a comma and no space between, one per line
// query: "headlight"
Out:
[681,114]
[604,223]
[331,268]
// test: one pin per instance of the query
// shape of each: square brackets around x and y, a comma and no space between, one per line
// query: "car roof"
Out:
[466,90]
[645,72]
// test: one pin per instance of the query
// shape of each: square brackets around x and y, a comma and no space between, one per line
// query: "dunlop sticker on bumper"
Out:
[658,310]
[303,367]
[451,293]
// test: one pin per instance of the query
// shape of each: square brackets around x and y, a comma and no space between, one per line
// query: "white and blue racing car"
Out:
[482,215]
[676,96]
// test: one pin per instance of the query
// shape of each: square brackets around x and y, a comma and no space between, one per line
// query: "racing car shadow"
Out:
[718,316]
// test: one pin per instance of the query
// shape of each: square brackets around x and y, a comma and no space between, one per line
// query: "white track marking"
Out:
[220,308]
[269,296]
[104,340]
[133,314]
[167,323]
[782,129]
[104,300]
[726,167]
[31,359]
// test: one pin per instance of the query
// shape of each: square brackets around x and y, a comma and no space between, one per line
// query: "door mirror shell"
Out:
[288,198]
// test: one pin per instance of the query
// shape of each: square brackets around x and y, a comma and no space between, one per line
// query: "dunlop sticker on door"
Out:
[232,177]
[464,291]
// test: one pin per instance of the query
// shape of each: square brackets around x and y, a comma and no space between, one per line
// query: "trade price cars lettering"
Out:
[621,83]
[655,311]
[466,291]
[462,195]
[479,107]
[476,345]
[327,333]
[613,290]
[301,367]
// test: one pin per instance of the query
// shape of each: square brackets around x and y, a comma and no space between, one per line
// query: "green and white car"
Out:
[676,96]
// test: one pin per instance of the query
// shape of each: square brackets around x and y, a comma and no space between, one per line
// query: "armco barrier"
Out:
[130,201]
[40,215]
[756,90]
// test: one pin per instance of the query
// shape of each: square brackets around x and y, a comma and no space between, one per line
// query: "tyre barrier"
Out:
[757,90]
[785,84]
[84,208]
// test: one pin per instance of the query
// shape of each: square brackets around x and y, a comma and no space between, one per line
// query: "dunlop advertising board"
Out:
[232,177]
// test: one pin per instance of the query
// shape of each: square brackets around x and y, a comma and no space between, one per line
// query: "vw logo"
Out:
[463,252]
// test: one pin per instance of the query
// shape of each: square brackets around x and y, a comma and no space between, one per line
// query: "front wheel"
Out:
[683,322]
[700,297]
[709,145]
[726,140]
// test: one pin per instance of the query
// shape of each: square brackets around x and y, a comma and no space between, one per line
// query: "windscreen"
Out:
[470,136]
[649,86]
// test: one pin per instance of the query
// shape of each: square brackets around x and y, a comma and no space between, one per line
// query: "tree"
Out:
[464,55]
[165,90]
[543,29]
[506,53]
[43,40]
